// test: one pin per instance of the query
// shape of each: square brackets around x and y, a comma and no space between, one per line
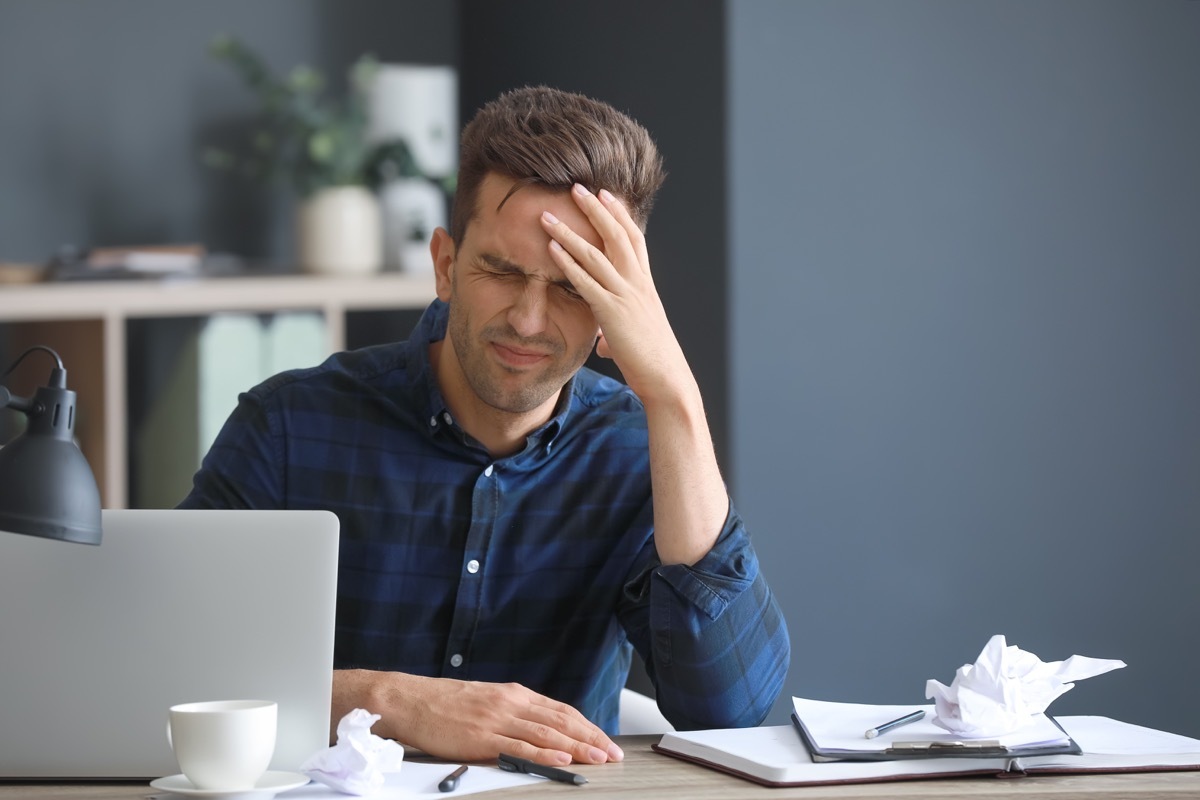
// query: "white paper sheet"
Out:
[843,726]
[1109,744]
[417,779]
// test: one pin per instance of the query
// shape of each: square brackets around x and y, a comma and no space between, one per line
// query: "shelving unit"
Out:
[86,323]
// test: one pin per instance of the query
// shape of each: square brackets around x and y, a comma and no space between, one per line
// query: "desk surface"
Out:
[645,773]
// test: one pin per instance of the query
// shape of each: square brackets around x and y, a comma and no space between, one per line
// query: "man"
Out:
[511,521]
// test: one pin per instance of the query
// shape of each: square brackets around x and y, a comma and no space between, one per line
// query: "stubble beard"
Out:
[485,377]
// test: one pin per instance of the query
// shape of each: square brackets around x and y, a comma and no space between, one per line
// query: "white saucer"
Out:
[269,785]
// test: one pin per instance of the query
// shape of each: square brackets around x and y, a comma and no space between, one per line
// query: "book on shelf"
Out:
[155,261]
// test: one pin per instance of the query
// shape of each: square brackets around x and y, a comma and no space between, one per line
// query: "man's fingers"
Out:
[621,240]
[560,727]
[568,247]
[556,746]
[636,238]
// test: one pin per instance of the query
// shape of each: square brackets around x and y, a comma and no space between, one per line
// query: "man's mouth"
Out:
[518,356]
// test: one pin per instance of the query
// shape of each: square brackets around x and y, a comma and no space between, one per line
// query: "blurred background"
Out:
[936,265]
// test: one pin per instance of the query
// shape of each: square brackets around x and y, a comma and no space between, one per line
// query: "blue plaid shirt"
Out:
[538,568]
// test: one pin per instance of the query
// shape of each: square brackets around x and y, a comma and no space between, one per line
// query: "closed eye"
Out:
[503,275]
[500,269]
[568,291]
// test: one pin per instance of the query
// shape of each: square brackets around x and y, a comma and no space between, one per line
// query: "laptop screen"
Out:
[174,606]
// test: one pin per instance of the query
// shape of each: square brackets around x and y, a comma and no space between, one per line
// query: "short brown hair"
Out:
[554,139]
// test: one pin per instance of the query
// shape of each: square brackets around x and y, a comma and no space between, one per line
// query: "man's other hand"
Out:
[472,721]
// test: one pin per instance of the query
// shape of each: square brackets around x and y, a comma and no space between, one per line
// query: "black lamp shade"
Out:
[46,486]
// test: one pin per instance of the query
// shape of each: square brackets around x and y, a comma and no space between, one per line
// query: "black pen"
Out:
[514,764]
[450,782]
[896,723]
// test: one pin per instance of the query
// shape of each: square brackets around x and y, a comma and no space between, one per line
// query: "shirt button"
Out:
[456,660]
[472,566]
[433,421]
[488,471]
[449,420]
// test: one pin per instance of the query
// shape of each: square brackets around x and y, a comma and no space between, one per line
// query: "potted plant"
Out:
[318,147]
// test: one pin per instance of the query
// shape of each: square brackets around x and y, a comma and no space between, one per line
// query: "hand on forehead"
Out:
[525,205]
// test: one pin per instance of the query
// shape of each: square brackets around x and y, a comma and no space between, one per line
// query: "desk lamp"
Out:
[46,486]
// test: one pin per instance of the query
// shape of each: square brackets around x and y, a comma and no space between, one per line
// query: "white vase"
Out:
[412,209]
[340,232]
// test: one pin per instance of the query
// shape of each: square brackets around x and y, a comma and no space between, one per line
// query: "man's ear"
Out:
[441,247]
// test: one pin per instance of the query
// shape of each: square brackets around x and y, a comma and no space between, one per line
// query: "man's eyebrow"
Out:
[501,264]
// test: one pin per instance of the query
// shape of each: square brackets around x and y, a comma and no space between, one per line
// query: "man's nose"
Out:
[527,315]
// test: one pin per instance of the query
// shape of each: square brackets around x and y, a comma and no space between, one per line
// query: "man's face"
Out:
[517,327]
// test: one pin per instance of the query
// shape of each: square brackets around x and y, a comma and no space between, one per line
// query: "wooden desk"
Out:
[646,774]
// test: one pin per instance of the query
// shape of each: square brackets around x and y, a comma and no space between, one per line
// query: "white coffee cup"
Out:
[223,745]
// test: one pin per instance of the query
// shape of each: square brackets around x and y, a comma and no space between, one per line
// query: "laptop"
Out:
[175,606]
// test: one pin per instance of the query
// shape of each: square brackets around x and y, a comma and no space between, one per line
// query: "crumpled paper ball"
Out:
[1005,688]
[357,763]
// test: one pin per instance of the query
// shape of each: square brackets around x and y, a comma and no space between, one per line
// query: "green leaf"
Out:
[321,146]
[303,135]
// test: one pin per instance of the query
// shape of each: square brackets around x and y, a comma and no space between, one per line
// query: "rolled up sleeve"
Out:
[714,640]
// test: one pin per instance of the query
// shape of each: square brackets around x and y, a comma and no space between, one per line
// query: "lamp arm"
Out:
[10,400]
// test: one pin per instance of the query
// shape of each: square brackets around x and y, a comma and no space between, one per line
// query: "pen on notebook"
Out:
[450,782]
[514,764]
[896,723]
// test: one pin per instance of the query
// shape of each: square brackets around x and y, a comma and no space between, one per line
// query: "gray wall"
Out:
[965,354]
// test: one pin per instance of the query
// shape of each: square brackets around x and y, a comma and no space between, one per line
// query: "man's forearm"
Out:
[690,500]
[615,281]
[358,688]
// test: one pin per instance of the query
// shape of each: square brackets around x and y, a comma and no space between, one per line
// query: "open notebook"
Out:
[836,732]
[776,755]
